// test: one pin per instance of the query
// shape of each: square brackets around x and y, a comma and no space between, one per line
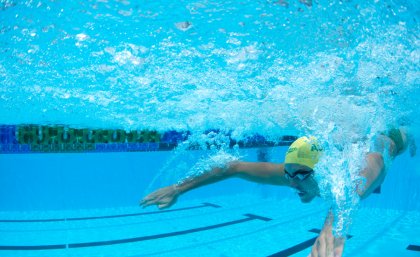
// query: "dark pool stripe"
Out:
[116,216]
[32,248]
[39,220]
[414,248]
[301,246]
[213,205]
[295,249]
[146,213]
[177,233]
[135,239]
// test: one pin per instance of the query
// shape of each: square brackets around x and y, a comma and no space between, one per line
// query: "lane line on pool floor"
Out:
[250,217]
[301,246]
[113,216]
[224,209]
[413,248]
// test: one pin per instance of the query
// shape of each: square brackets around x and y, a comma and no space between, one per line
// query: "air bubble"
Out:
[81,37]
[184,26]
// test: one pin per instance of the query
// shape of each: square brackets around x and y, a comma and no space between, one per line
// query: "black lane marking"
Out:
[301,246]
[377,190]
[177,233]
[295,249]
[34,247]
[147,213]
[135,239]
[116,216]
[213,205]
[40,220]
[414,248]
[256,217]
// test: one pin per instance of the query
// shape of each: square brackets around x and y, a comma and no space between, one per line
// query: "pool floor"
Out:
[241,225]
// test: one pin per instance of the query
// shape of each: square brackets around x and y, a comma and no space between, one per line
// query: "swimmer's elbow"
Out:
[233,168]
[362,194]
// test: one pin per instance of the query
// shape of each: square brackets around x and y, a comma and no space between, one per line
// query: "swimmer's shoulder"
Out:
[262,172]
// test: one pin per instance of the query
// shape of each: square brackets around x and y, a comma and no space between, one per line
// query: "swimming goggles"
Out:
[300,174]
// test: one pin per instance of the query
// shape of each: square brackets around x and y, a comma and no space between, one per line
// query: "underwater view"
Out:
[245,128]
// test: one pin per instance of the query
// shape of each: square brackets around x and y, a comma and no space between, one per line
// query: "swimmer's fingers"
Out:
[161,203]
[338,247]
[326,246]
[163,197]
[150,199]
[329,245]
[145,203]
[145,200]
[164,206]
[315,248]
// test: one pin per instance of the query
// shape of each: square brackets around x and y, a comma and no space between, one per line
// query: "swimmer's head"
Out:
[304,151]
[300,161]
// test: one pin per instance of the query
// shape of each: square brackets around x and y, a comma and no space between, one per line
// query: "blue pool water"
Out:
[339,70]
[61,200]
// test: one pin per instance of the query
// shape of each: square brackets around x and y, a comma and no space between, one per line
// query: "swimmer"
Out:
[297,172]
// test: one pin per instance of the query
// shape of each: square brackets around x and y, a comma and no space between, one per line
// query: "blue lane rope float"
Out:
[32,138]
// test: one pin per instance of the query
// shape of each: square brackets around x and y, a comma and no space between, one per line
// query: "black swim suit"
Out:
[395,135]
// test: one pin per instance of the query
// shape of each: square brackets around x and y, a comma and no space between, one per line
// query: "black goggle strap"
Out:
[300,174]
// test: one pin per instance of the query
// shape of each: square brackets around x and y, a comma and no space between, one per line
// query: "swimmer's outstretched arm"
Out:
[259,172]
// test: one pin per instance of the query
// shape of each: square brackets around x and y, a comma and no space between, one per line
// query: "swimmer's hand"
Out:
[326,245]
[163,198]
